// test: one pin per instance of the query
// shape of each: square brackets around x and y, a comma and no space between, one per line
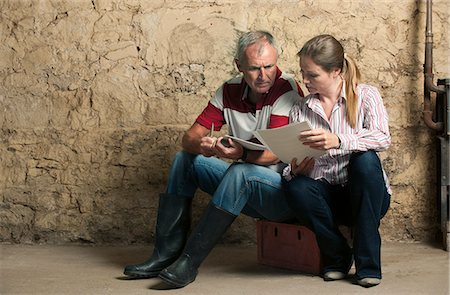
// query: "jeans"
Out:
[251,189]
[361,203]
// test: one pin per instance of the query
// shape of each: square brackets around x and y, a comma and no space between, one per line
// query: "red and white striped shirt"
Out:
[230,105]
[371,131]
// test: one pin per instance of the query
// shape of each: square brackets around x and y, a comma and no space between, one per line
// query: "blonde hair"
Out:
[328,53]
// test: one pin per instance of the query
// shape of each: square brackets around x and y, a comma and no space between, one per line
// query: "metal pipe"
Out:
[429,86]
[446,105]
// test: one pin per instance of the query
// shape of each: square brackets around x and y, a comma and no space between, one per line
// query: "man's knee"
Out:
[240,168]
[239,172]
[182,157]
[185,159]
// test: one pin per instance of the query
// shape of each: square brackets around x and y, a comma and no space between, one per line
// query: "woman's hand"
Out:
[304,168]
[319,139]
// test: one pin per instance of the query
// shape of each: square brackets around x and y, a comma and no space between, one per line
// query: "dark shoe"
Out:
[181,273]
[172,226]
[213,224]
[143,270]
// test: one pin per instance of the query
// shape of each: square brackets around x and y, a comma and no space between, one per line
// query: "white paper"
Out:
[283,142]
[247,144]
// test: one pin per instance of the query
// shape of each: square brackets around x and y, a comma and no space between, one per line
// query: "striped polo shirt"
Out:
[230,105]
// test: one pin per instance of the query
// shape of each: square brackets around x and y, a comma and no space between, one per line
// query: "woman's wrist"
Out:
[339,142]
[287,173]
[292,174]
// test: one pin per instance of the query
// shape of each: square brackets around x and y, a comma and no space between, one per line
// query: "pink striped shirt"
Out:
[371,131]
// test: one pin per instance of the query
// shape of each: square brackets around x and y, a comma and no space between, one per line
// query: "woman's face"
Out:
[315,78]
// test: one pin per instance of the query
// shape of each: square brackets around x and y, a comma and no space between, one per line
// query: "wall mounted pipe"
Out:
[429,85]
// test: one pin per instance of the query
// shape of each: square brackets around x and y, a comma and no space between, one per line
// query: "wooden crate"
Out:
[289,246]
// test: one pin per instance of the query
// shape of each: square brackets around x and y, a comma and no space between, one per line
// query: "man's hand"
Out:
[227,148]
[319,139]
[220,147]
[208,146]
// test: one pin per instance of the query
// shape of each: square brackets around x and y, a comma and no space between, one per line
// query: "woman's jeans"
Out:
[361,203]
[239,187]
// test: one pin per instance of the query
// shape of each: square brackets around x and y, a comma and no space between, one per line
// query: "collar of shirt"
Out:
[313,101]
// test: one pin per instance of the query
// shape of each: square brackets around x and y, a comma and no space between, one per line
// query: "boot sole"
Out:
[174,283]
[141,275]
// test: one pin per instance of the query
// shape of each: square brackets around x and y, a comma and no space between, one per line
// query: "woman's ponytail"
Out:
[351,75]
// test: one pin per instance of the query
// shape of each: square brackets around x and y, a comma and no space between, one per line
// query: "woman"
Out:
[347,185]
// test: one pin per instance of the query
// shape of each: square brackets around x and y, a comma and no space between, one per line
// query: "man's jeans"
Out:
[362,202]
[239,187]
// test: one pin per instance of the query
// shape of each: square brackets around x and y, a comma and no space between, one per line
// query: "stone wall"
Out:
[95,96]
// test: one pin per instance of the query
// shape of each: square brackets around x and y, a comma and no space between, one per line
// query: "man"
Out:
[261,98]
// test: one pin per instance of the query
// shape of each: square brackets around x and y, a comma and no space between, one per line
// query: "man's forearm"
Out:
[190,144]
[261,158]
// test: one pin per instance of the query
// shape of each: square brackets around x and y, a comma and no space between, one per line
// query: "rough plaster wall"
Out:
[96,94]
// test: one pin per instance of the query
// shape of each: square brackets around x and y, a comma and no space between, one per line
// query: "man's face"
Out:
[259,66]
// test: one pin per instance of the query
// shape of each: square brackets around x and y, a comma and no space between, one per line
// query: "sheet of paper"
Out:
[247,144]
[284,143]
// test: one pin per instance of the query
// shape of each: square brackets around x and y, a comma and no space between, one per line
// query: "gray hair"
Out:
[253,37]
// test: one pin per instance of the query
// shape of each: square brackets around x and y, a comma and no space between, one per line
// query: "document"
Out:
[247,144]
[283,142]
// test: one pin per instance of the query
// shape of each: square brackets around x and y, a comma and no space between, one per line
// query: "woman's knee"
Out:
[301,192]
[365,164]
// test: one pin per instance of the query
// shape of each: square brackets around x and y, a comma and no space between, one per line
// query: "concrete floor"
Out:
[407,269]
